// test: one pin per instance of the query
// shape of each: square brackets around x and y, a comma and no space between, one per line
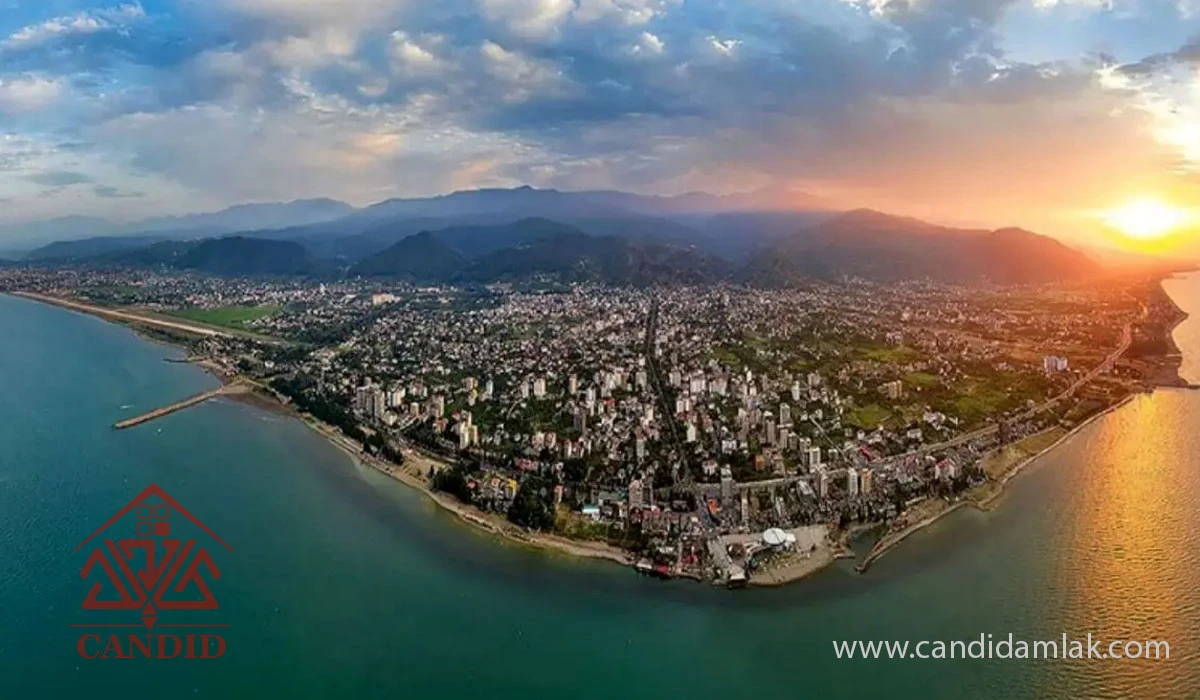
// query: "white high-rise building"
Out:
[852,482]
[866,480]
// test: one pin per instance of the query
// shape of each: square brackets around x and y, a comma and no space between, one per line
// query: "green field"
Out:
[228,316]
[868,417]
[922,380]
[889,355]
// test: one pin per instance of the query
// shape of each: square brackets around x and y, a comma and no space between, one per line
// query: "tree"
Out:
[453,480]
[533,506]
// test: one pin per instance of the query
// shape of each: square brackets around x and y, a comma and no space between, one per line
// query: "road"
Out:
[656,383]
[1106,365]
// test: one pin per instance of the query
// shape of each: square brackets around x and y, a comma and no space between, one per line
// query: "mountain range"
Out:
[768,238]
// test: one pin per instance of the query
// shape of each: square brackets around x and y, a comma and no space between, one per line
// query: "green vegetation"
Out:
[533,506]
[868,417]
[975,399]
[889,355]
[228,316]
[922,380]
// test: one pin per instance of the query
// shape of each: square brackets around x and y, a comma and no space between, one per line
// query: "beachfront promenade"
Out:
[237,387]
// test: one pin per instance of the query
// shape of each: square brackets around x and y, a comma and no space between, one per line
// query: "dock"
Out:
[237,387]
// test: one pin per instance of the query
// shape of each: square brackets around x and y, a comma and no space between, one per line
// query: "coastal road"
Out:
[1106,365]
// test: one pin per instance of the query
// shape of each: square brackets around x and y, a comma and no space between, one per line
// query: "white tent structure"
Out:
[776,538]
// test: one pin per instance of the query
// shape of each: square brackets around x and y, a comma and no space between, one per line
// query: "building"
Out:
[727,484]
[866,479]
[852,484]
[1052,364]
[636,494]
[893,389]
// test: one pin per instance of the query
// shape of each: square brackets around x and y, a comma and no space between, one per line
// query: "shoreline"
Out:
[890,541]
[789,572]
[264,399]
[1174,358]
[124,317]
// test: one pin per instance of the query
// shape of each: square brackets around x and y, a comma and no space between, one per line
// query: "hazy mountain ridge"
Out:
[881,247]
[601,236]
[532,247]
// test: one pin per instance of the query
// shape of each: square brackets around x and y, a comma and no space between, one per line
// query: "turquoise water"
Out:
[345,583]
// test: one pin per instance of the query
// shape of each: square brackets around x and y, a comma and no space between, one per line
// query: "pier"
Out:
[237,387]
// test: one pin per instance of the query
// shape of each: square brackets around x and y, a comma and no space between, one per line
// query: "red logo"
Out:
[173,576]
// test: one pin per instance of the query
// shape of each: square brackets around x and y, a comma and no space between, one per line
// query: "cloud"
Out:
[632,12]
[59,178]
[887,100]
[523,75]
[529,18]
[110,192]
[648,44]
[416,55]
[82,23]
[28,93]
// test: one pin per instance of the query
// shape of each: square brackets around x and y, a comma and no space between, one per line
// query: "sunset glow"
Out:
[1146,218]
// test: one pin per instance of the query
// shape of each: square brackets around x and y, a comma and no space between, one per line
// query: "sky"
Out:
[992,112]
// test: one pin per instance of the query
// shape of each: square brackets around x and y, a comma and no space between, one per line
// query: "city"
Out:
[722,433]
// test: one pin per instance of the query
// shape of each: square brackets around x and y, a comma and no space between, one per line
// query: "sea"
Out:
[341,582]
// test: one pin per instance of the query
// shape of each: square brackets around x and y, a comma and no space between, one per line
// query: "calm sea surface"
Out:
[346,584]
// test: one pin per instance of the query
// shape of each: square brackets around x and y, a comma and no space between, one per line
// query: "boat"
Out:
[646,567]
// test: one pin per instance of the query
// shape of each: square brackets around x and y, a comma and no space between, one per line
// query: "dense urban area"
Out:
[720,432]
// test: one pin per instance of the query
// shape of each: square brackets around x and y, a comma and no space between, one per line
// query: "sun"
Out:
[1145,218]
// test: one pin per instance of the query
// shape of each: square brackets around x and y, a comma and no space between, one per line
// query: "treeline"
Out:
[533,506]
[302,390]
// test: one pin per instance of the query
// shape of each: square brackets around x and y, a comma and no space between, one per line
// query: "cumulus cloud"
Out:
[634,12]
[93,22]
[877,99]
[416,55]
[648,44]
[530,18]
[524,76]
[29,93]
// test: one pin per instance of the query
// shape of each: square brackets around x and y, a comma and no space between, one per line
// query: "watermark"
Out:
[124,617]
[988,646]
